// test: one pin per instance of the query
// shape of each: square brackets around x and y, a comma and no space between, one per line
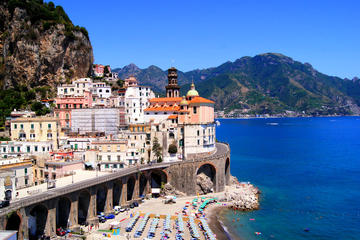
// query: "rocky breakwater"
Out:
[241,196]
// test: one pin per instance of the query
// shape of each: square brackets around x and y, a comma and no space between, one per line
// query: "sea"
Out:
[308,170]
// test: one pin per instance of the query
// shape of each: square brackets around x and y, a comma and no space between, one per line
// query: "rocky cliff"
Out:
[40,46]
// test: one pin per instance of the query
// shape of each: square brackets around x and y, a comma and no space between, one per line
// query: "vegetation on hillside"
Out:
[46,14]
[21,97]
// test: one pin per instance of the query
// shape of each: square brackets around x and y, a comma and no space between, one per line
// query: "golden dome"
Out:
[192,92]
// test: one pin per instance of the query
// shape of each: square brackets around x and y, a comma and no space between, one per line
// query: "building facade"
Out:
[37,129]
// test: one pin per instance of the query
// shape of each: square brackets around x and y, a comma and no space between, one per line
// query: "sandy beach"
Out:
[155,206]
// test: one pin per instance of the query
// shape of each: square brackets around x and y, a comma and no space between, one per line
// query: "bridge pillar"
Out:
[92,214]
[136,187]
[123,198]
[24,228]
[109,198]
[73,217]
[50,227]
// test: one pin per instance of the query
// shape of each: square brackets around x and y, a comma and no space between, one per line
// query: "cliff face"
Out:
[36,54]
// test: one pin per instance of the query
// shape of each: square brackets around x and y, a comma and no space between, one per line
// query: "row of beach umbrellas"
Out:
[193,229]
[208,233]
[141,226]
[153,226]
[132,223]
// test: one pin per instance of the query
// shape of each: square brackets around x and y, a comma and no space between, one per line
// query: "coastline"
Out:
[213,212]
[279,117]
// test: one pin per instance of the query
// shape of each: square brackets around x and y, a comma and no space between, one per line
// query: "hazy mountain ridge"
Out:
[267,83]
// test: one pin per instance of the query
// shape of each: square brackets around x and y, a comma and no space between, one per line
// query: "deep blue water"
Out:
[308,170]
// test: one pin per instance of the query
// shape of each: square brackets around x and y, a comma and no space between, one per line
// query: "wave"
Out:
[272,124]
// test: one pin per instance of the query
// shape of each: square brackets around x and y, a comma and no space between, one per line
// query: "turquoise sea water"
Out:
[308,170]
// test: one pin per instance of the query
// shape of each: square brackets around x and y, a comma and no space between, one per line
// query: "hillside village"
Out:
[94,128]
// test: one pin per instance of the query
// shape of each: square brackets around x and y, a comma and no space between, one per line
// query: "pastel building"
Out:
[110,153]
[65,104]
[20,148]
[37,129]
[76,88]
[187,122]
[54,170]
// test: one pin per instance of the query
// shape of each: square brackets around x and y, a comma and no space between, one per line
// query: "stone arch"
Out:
[157,178]
[63,212]
[8,194]
[227,171]
[117,190]
[37,221]
[130,188]
[14,222]
[83,206]
[142,184]
[209,170]
[101,195]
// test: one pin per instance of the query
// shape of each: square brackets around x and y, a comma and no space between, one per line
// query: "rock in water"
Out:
[204,184]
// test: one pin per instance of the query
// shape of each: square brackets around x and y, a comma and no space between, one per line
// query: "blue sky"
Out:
[201,34]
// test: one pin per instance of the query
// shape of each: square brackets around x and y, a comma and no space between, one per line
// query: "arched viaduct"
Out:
[72,205]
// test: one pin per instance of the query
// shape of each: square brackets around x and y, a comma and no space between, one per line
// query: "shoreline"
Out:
[217,226]
[278,117]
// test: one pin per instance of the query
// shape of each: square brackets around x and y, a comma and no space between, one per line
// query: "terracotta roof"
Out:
[201,100]
[166,99]
[162,108]
[173,117]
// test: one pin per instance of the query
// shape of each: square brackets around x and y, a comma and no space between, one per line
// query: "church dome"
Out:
[184,102]
[192,92]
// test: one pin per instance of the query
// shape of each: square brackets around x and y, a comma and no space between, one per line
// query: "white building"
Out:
[7,185]
[17,148]
[136,100]
[76,88]
[100,90]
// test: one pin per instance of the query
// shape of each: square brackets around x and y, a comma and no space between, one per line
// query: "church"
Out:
[187,121]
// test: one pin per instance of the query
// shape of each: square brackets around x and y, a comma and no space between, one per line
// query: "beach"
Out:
[156,206]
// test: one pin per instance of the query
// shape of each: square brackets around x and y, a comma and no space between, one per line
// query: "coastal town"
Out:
[95,131]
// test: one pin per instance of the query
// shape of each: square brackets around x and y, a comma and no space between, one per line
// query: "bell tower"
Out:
[172,89]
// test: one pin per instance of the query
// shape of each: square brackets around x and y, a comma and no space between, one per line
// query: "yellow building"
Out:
[111,153]
[36,129]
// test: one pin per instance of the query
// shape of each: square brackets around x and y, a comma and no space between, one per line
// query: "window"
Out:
[15,126]
[49,126]
[22,126]
[109,158]
[27,148]
[43,148]
[12,149]
[109,148]
[118,148]
[114,165]
[118,158]
[194,110]
[54,168]
[75,106]
[49,135]
[26,181]
[80,105]
[18,149]
[198,142]
[198,132]
[67,106]
[36,148]
[106,165]
[100,157]
[32,126]
[32,136]
[25,171]
[22,135]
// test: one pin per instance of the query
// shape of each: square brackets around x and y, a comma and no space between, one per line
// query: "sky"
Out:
[201,34]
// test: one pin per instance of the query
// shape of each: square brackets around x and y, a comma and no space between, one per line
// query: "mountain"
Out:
[40,46]
[269,83]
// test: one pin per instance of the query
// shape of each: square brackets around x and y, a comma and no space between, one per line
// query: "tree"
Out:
[172,148]
[157,149]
